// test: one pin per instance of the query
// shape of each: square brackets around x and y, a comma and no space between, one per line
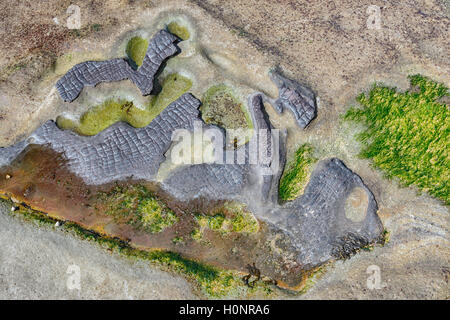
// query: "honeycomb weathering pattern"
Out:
[118,152]
[90,73]
[315,222]
[300,100]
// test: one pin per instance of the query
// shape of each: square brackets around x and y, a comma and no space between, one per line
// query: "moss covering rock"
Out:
[136,49]
[179,30]
[137,206]
[232,217]
[222,108]
[295,176]
[102,116]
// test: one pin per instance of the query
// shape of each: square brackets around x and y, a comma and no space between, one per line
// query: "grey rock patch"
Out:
[118,152]
[299,99]
[317,220]
[90,73]
[211,181]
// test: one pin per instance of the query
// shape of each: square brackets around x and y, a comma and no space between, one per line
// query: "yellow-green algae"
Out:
[136,49]
[102,116]
[136,205]
[178,30]
[222,108]
[407,134]
[232,217]
[213,282]
[295,176]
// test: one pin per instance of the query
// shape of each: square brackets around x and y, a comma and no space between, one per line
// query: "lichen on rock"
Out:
[222,108]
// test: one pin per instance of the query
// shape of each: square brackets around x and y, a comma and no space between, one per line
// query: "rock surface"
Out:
[323,43]
[295,97]
[119,151]
[90,73]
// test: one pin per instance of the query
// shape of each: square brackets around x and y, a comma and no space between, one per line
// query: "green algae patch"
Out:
[295,177]
[407,134]
[213,282]
[102,116]
[172,88]
[137,206]
[178,240]
[196,235]
[178,30]
[136,50]
[231,217]
[222,108]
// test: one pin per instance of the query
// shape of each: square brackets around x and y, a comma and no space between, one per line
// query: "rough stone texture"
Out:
[118,152]
[325,44]
[268,148]
[223,181]
[90,73]
[299,99]
[210,181]
[328,46]
[317,221]
[35,263]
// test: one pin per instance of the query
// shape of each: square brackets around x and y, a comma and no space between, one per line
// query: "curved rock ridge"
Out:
[118,152]
[299,99]
[90,73]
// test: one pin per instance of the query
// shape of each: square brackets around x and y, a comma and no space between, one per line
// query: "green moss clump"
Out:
[407,134]
[243,223]
[295,176]
[155,216]
[232,218]
[178,239]
[215,222]
[222,108]
[178,30]
[111,111]
[197,235]
[137,206]
[136,50]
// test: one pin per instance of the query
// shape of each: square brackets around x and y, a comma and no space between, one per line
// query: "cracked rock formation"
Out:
[299,99]
[119,151]
[224,181]
[90,73]
[322,224]
[318,221]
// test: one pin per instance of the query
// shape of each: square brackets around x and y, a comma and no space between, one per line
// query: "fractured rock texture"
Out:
[90,73]
[119,151]
[211,181]
[300,100]
[317,220]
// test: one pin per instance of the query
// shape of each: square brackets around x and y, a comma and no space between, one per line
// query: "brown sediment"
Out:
[40,178]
